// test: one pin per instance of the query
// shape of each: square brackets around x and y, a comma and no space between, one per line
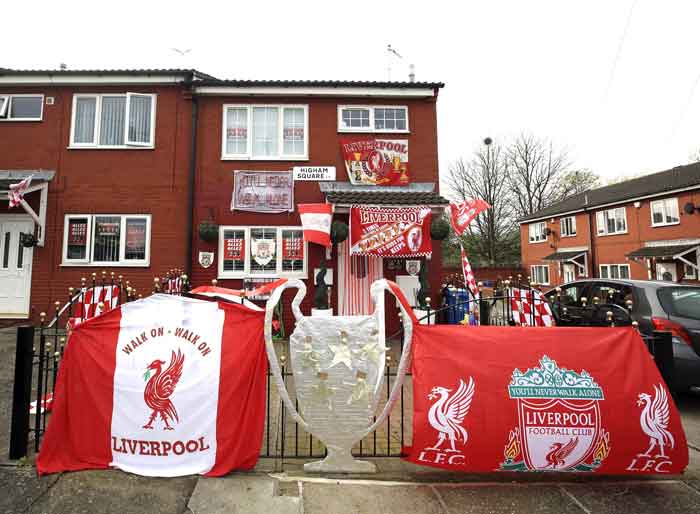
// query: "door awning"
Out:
[40,182]
[344,195]
[565,256]
[670,251]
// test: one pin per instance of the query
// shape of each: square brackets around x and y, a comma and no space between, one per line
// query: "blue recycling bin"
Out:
[456,304]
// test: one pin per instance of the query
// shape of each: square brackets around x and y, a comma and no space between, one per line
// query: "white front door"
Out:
[15,267]
[666,271]
[569,273]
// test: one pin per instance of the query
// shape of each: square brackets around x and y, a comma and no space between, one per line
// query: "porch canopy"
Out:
[40,182]
[576,257]
[670,251]
[343,195]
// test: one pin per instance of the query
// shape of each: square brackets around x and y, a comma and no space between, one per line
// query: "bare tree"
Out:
[535,173]
[485,177]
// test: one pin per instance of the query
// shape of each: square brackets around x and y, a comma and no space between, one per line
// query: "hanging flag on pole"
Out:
[462,214]
[316,222]
[469,279]
[16,193]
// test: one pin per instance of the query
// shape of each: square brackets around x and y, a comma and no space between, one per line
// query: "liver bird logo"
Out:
[559,452]
[448,412]
[654,421]
[160,387]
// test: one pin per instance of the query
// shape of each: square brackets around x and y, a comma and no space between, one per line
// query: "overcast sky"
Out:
[547,67]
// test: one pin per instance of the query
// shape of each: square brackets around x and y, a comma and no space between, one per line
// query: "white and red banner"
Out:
[378,162]
[316,222]
[521,399]
[390,232]
[463,213]
[16,192]
[165,386]
[263,191]
[530,308]
[469,279]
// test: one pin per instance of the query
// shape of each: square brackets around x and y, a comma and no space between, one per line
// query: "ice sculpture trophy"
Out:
[338,365]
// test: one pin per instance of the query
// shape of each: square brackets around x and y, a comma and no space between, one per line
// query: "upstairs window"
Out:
[21,107]
[265,132]
[568,226]
[538,232]
[612,221]
[113,121]
[360,118]
[104,240]
[664,212]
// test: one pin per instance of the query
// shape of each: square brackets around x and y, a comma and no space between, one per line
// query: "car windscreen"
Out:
[683,302]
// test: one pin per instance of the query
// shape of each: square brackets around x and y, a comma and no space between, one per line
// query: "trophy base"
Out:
[340,462]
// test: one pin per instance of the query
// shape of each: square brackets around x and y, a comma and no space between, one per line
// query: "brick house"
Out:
[646,228]
[128,164]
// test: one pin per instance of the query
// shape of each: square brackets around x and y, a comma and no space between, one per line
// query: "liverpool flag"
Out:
[164,386]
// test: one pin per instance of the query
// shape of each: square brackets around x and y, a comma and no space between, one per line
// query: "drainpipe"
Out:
[591,271]
[190,184]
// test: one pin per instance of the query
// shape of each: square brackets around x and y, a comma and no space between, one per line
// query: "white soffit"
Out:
[396,92]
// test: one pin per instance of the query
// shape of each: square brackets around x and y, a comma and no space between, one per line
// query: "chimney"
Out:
[63,66]
[411,73]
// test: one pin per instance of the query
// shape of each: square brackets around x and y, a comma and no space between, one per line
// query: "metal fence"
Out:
[39,352]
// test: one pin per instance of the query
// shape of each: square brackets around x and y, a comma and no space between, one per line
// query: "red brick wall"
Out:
[215,176]
[103,181]
[612,249]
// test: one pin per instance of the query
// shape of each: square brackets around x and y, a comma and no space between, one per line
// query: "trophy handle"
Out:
[269,347]
[408,319]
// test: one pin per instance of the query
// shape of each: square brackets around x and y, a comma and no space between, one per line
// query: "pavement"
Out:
[281,486]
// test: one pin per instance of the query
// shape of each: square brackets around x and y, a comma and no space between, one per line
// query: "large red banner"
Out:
[390,232]
[380,162]
[527,399]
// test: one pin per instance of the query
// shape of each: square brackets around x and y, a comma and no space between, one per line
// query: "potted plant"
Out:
[321,307]
[208,231]
[439,229]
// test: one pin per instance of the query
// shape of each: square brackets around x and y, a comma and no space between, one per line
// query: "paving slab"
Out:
[242,494]
[110,491]
[369,499]
[689,405]
[20,487]
[508,499]
[648,498]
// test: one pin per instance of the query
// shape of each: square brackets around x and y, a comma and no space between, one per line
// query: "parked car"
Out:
[655,305]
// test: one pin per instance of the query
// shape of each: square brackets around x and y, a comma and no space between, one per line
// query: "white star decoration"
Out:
[341,355]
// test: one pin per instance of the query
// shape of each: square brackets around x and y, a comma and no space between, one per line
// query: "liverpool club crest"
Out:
[559,423]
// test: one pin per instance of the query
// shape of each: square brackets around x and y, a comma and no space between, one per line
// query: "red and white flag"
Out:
[530,308]
[16,193]
[316,221]
[46,402]
[164,386]
[87,303]
[469,279]
[462,214]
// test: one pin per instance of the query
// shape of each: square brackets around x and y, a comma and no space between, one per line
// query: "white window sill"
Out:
[10,315]
[123,147]
[569,235]
[105,264]
[613,234]
[371,131]
[656,225]
[246,276]
[21,119]
[538,242]
[248,158]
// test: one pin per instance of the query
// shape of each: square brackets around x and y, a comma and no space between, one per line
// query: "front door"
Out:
[666,271]
[15,267]
[569,273]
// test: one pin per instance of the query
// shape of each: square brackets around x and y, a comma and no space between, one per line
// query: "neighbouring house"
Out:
[644,228]
[128,165]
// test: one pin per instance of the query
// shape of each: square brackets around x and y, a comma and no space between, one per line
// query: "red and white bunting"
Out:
[16,193]
[462,214]
[88,301]
[316,221]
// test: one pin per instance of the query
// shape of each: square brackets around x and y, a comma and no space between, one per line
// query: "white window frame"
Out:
[664,211]
[608,271]
[280,137]
[531,230]
[601,215]
[98,114]
[533,274]
[5,110]
[122,262]
[246,266]
[371,128]
[562,224]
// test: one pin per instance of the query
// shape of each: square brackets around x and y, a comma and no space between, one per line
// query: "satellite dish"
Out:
[689,208]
